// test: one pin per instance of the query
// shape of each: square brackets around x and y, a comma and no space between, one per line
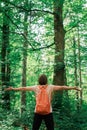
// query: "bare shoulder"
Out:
[31,88]
[55,87]
[34,87]
[51,87]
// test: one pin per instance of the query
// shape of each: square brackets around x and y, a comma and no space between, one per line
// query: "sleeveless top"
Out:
[49,91]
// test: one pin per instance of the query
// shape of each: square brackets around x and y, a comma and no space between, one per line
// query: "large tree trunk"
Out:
[5,66]
[25,45]
[59,33]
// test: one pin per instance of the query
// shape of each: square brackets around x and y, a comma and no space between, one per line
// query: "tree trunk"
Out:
[25,45]
[5,66]
[75,72]
[80,77]
[59,33]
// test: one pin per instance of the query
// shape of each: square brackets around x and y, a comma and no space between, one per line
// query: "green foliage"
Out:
[71,120]
[63,119]
[14,120]
[40,59]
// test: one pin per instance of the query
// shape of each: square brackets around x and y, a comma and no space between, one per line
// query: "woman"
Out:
[38,117]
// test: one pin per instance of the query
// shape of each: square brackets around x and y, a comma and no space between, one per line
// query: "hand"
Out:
[9,89]
[79,89]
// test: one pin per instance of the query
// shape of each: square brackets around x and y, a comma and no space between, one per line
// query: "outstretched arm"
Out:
[56,88]
[32,88]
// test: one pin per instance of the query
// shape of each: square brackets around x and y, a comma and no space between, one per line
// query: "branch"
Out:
[76,24]
[33,49]
[19,29]
[28,10]
[21,7]
[44,11]
[45,47]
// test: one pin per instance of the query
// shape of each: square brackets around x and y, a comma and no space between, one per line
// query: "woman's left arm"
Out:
[56,88]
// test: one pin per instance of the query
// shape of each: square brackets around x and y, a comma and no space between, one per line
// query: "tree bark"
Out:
[59,67]
[80,76]
[25,45]
[5,66]
[75,72]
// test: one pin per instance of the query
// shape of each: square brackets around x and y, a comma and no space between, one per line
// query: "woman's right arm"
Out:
[31,88]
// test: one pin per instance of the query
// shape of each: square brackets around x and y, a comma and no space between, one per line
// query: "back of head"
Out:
[42,79]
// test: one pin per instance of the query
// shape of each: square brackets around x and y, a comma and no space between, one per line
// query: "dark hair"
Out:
[42,79]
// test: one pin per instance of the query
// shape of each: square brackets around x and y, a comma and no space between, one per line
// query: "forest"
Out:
[43,37]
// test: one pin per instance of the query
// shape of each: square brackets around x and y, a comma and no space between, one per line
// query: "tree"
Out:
[24,68]
[5,51]
[59,34]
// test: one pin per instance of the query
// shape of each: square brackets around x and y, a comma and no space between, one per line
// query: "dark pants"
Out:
[48,121]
